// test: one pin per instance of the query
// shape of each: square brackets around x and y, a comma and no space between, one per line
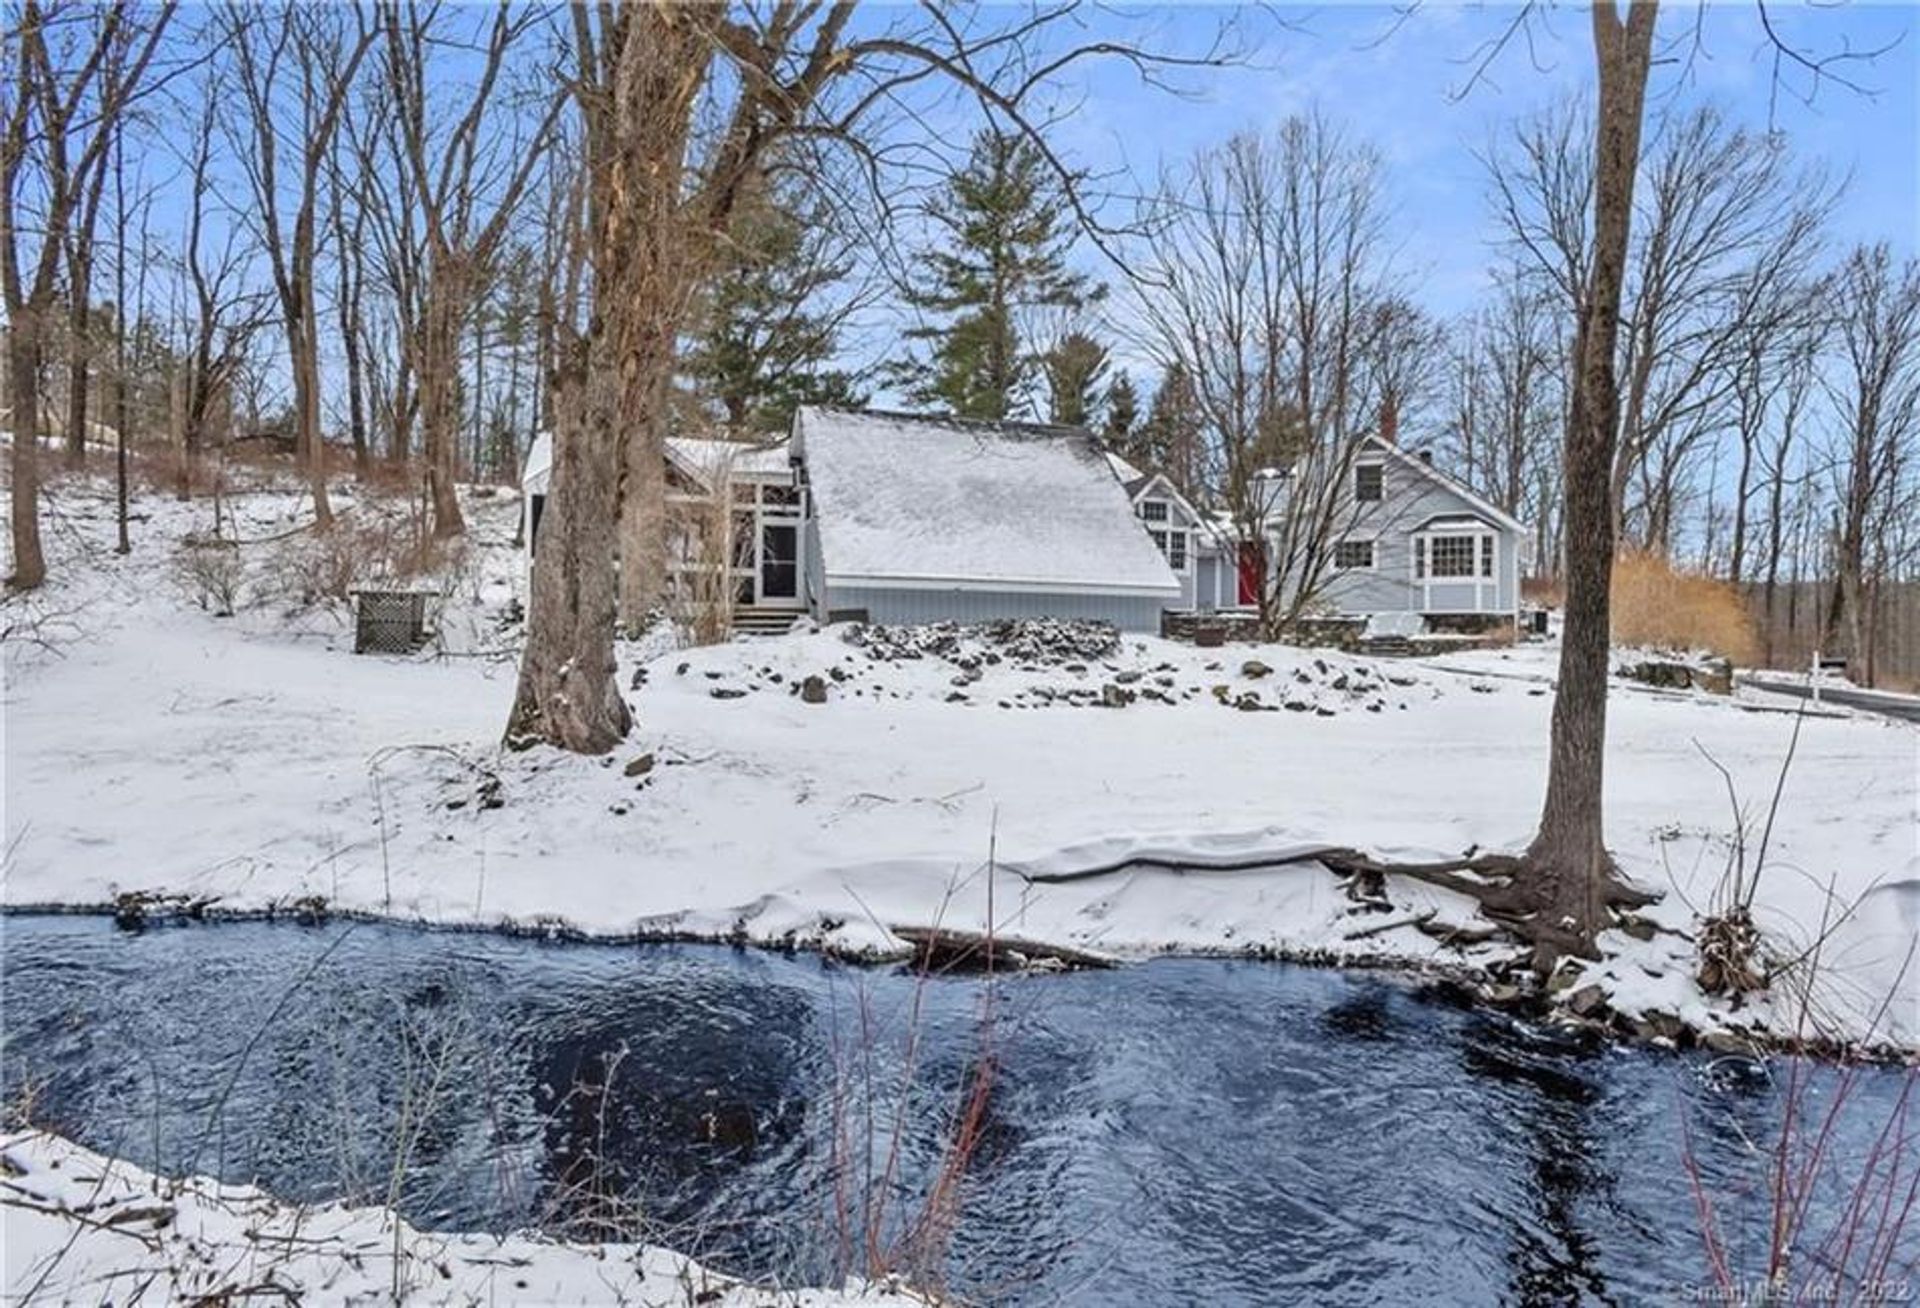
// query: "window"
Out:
[1451,556]
[1173,544]
[1353,554]
[1486,556]
[787,497]
[1154,510]
[1369,481]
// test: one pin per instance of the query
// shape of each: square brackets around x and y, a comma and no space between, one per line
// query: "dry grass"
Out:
[1657,605]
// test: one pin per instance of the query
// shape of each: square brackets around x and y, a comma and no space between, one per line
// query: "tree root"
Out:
[1505,888]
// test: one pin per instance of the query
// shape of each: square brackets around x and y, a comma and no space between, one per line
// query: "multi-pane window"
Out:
[1486,556]
[1170,539]
[1353,554]
[1451,556]
[1369,481]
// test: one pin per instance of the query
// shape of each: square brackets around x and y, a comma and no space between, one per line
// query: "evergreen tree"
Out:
[766,327]
[1074,368]
[1005,234]
[1172,439]
[1123,412]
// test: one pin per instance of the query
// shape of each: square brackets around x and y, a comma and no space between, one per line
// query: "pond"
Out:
[1184,1130]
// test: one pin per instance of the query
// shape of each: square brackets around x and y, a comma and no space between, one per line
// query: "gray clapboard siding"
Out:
[902,605]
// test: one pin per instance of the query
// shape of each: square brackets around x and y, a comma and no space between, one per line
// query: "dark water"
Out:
[1183,1131]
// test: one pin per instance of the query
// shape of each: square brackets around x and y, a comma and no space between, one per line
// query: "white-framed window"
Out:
[1369,481]
[1168,536]
[1451,557]
[1351,554]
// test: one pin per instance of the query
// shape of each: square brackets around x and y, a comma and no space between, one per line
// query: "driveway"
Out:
[1903,707]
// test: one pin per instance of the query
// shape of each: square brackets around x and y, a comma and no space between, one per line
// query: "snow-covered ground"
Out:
[83,1228]
[254,761]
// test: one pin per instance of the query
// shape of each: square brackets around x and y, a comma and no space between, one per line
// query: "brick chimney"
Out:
[1390,421]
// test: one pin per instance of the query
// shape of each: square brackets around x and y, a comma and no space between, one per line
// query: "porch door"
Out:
[1251,571]
[779,562]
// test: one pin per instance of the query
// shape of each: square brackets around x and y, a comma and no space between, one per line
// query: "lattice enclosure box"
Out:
[389,621]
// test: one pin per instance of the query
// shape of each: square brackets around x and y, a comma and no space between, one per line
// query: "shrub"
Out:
[1658,605]
[212,572]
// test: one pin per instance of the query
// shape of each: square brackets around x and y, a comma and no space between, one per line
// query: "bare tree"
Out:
[1726,236]
[1505,384]
[65,100]
[1264,281]
[1878,391]
[1567,870]
[682,106]
[467,182]
[223,313]
[295,67]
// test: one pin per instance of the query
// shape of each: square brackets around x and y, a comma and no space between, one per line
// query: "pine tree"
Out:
[1005,234]
[1172,439]
[1123,411]
[1074,368]
[762,340]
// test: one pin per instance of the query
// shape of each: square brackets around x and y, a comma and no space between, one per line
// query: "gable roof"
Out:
[1433,474]
[921,502]
[701,459]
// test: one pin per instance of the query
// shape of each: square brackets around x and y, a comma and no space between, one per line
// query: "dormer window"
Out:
[1369,482]
[1154,510]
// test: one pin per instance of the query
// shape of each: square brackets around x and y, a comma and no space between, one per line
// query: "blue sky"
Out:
[1404,89]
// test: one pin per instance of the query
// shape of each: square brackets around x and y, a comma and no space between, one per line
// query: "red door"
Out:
[1251,571]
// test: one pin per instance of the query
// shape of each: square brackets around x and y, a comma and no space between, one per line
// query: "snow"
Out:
[917,500]
[706,459]
[254,761]
[80,1227]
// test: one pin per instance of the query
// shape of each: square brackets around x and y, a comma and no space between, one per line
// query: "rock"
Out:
[1637,927]
[1715,676]
[1255,669]
[1728,1042]
[1565,973]
[1127,678]
[1324,711]
[1249,703]
[681,671]
[1341,682]
[640,766]
[1656,1025]
[813,690]
[837,672]
[1299,706]
[956,697]
[727,692]
[1502,994]
[715,676]
[1587,1001]
[1221,692]
[639,679]
[1113,695]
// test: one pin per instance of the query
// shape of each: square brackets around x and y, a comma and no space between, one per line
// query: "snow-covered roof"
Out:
[699,458]
[708,459]
[917,501]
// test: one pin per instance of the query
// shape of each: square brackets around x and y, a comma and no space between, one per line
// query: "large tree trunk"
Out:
[569,690]
[23,385]
[439,407]
[1567,865]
